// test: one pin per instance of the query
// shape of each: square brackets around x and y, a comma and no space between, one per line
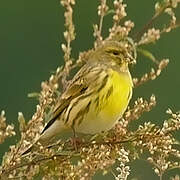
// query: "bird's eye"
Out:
[115,53]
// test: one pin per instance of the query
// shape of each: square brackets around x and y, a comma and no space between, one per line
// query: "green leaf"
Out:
[33,95]
[147,54]
[111,11]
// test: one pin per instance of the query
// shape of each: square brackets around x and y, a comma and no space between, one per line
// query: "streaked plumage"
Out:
[97,96]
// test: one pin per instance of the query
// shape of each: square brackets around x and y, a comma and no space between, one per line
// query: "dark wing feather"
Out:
[82,81]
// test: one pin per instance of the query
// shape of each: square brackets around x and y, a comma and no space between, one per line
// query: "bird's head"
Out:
[115,53]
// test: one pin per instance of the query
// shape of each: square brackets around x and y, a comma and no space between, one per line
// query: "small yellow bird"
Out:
[98,94]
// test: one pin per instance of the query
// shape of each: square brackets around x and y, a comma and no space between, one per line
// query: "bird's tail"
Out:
[33,146]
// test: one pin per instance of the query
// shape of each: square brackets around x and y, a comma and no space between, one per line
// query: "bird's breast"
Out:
[109,104]
[115,96]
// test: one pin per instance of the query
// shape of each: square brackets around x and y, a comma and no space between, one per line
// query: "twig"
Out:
[139,34]
[33,162]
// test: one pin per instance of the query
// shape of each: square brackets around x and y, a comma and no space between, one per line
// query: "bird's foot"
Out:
[75,142]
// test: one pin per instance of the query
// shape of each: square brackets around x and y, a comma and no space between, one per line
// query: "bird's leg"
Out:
[74,140]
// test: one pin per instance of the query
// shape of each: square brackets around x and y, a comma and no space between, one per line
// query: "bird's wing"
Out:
[87,80]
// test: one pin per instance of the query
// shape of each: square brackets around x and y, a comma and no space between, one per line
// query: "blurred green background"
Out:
[31,33]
